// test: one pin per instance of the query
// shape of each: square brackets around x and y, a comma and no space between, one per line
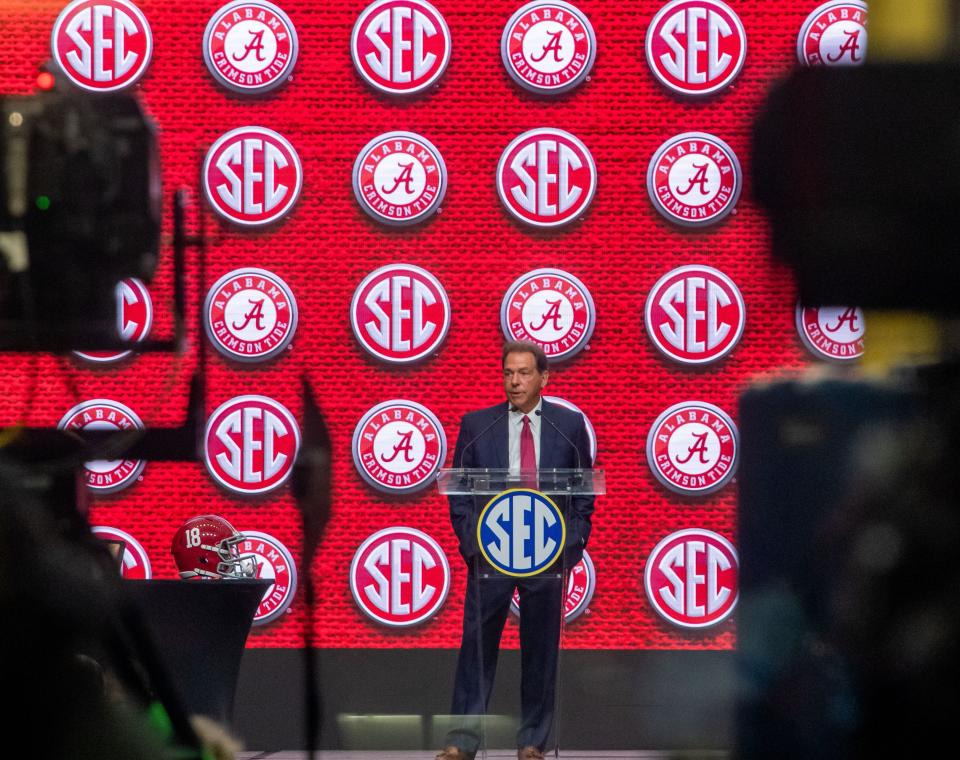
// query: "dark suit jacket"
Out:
[484,442]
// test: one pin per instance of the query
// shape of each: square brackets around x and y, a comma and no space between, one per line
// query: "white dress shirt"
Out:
[515,425]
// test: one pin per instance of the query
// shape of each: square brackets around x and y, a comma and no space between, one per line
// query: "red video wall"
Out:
[388,189]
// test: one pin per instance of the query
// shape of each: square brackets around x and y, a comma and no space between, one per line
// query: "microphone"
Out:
[539,413]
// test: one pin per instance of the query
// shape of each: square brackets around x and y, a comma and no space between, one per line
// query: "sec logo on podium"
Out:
[521,532]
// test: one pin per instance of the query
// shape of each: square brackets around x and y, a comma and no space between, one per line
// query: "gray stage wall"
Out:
[390,699]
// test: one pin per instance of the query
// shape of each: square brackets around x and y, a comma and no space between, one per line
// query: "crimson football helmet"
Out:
[206,547]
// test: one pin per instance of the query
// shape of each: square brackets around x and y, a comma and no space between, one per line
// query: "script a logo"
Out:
[548,47]
[696,47]
[691,578]
[693,448]
[835,34]
[398,446]
[400,47]
[694,179]
[549,307]
[252,176]
[546,177]
[832,332]
[250,46]
[400,313]
[251,444]
[521,532]
[102,45]
[250,315]
[399,577]
[695,314]
[399,178]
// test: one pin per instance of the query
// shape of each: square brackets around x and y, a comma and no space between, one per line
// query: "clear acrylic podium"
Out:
[489,481]
[481,485]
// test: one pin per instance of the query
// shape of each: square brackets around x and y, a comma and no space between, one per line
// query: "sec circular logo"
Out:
[696,47]
[832,332]
[521,532]
[250,46]
[581,583]
[693,448]
[551,308]
[400,314]
[134,320]
[834,34]
[591,433]
[400,47]
[274,563]
[251,444]
[250,315]
[691,578]
[694,179]
[546,177]
[399,577]
[548,47]
[695,315]
[252,176]
[398,446]
[134,563]
[399,178]
[105,476]
[102,45]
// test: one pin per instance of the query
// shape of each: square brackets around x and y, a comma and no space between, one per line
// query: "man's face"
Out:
[522,381]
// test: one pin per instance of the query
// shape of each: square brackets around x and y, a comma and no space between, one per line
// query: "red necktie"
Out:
[528,456]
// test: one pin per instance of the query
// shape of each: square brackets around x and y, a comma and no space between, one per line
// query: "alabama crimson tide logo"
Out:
[551,308]
[581,583]
[835,34]
[250,315]
[546,177]
[691,578]
[832,332]
[694,179]
[102,45]
[134,564]
[105,476]
[400,47]
[251,444]
[274,563]
[696,47]
[399,178]
[250,46]
[400,313]
[693,448]
[134,319]
[548,47]
[398,446]
[399,577]
[695,315]
[252,176]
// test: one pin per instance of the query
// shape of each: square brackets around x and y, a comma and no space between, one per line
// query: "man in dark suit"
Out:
[524,434]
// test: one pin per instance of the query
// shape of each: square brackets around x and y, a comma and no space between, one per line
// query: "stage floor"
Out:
[494,754]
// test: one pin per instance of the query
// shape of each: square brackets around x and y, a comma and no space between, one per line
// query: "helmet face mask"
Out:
[207,547]
[232,564]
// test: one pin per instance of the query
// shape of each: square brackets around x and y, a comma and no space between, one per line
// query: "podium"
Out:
[489,481]
[525,524]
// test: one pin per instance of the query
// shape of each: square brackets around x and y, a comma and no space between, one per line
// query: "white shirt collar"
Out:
[517,416]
